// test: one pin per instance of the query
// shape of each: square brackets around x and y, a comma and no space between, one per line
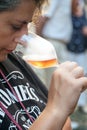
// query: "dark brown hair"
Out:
[6,5]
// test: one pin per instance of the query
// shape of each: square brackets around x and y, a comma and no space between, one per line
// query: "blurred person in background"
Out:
[51,25]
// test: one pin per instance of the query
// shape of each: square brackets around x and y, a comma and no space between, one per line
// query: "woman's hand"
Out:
[67,83]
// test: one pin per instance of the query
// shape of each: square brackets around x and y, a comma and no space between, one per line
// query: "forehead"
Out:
[23,11]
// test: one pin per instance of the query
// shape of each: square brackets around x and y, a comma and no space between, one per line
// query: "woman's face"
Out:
[13,24]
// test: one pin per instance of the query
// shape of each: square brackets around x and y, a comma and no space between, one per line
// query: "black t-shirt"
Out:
[30,90]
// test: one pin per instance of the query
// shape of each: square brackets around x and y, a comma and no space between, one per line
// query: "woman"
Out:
[23,98]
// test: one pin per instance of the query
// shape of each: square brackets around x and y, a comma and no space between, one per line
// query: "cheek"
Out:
[5,34]
[5,39]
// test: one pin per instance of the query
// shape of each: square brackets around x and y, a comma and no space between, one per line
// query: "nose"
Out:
[18,36]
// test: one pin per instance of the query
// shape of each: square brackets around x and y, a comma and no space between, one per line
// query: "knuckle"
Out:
[75,63]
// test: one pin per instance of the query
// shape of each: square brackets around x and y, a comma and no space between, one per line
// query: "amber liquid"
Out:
[43,63]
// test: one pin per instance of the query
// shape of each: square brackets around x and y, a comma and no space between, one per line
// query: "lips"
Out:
[8,51]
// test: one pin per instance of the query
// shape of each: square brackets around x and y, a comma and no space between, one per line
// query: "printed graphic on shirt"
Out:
[27,95]
[20,117]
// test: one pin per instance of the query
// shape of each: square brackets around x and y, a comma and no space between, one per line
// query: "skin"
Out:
[74,5]
[13,24]
[67,80]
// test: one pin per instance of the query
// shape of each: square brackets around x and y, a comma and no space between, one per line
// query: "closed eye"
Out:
[16,27]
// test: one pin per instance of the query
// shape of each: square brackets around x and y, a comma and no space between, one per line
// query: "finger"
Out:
[78,72]
[69,65]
